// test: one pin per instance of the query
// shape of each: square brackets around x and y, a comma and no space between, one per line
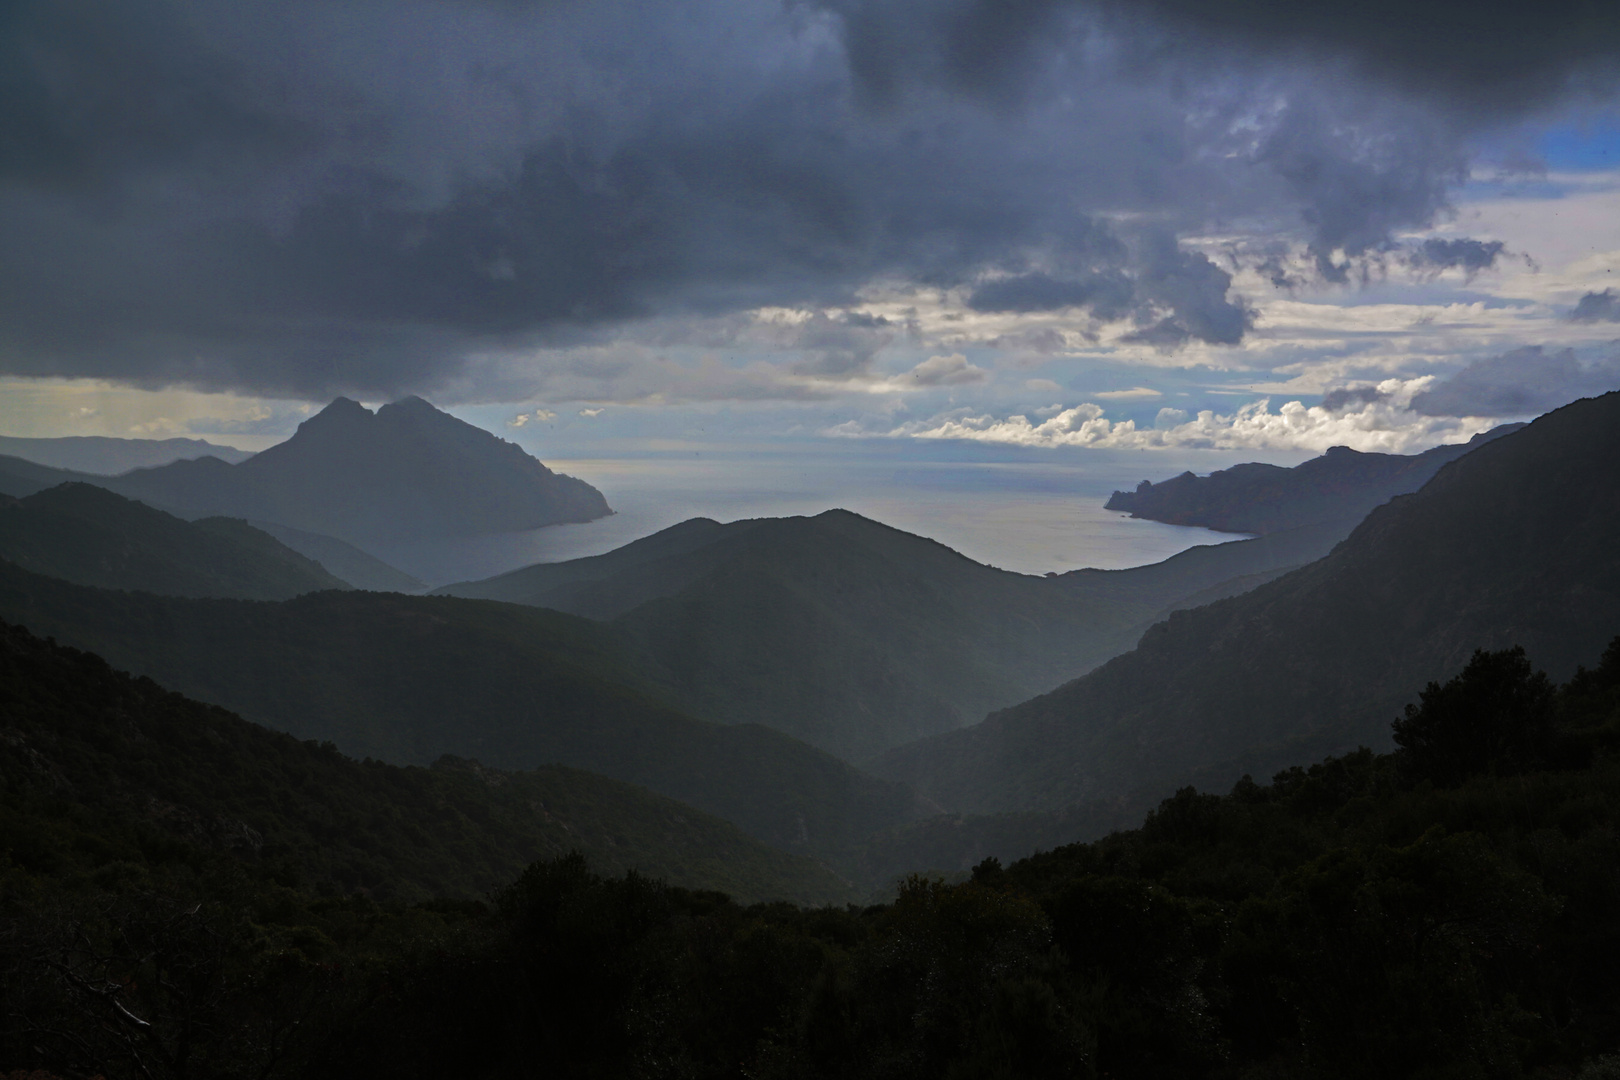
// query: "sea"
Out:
[1027,516]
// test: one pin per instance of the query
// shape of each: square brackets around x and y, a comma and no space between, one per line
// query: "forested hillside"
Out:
[1451,909]
[88,535]
[407,679]
[104,776]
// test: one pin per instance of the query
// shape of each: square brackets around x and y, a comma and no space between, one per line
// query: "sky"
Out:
[1061,227]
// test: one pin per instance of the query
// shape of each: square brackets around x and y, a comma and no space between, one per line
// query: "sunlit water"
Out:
[1030,517]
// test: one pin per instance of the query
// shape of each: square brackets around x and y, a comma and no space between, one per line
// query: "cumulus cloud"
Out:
[1597,307]
[1524,382]
[1386,426]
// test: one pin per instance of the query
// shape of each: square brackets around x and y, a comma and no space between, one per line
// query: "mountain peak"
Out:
[407,472]
[412,405]
[342,410]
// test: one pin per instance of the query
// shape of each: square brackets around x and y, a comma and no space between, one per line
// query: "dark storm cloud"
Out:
[1470,256]
[305,198]
[1497,55]
[1524,382]
[1467,65]
[1356,186]
[1174,295]
[1194,290]
[985,49]
[1597,307]
[1476,55]
[839,346]
[1352,397]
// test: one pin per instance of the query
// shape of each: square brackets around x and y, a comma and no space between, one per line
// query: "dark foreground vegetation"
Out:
[1448,910]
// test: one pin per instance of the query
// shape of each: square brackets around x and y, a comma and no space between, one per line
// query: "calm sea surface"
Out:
[1030,517]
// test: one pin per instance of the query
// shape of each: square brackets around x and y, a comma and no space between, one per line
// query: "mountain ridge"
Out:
[85,534]
[1509,544]
[856,636]
[1340,485]
[104,455]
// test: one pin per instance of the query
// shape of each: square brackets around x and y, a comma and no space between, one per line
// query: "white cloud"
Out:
[543,416]
[1133,393]
[591,414]
[1385,425]
[1045,386]
[952,370]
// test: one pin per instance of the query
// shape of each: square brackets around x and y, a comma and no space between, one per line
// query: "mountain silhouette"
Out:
[106,456]
[1341,486]
[91,536]
[359,568]
[406,472]
[857,637]
[1511,544]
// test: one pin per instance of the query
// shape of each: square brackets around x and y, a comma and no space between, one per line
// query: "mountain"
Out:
[105,456]
[358,568]
[406,472]
[1513,543]
[857,637]
[84,534]
[407,679]
[1342,485]
[19,477]
[98,767]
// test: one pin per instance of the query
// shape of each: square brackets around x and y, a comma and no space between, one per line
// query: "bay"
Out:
[1031,517]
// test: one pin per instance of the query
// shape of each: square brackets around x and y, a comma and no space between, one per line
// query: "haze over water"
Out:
[1031,517]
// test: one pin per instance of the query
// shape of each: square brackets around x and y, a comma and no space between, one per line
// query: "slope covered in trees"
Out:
[86,534]
[1513,542]
[100,769]
[1367,917]
[407,679]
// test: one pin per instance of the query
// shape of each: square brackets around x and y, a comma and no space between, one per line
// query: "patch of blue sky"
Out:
[1592,146]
